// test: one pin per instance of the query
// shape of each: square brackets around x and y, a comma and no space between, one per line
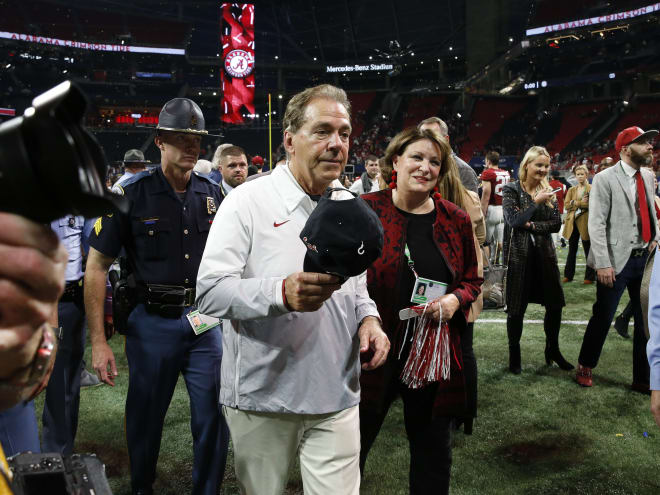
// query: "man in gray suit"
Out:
[623,229]
[467,174]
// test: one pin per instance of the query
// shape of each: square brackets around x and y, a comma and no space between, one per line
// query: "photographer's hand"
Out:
[32,264]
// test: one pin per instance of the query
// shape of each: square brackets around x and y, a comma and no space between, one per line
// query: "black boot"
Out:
[514,326]
[555,355]
[622,321]
[514,359]
[551,324]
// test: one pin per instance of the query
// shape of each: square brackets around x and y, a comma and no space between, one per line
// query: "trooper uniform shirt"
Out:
[164,233]
[70,231]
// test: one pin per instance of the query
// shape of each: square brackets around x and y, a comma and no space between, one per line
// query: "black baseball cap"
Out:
[343,236]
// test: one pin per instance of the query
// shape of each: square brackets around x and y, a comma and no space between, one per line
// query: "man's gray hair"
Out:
[435,120]
[203,167]
[218,152]
[294,116]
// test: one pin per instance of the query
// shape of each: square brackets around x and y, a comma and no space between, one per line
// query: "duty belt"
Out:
[167,295]
[72,290]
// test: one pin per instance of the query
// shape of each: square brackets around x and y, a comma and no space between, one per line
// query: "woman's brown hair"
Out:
[449,182]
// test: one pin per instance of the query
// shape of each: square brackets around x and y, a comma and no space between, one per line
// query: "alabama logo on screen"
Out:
[239,63]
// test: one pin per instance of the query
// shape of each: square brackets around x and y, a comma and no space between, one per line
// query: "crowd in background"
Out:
[416,195]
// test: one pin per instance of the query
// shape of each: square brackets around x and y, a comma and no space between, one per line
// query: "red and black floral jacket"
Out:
[452,232]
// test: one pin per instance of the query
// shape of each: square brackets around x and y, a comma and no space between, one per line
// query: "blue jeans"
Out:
[18,429]
[607,300]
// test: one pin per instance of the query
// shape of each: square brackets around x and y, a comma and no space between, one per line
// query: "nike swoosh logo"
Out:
[275,224]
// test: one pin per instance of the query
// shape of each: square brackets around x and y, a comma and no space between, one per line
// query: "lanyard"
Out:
[411,263]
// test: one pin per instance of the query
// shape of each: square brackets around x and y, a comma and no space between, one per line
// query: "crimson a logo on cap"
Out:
[239,63]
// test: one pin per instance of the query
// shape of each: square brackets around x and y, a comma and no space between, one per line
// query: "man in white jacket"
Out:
[291,367]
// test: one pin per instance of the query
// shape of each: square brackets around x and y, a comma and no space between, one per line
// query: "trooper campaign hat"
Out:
[343,236]
[134,156]
[182,115]
[631,135]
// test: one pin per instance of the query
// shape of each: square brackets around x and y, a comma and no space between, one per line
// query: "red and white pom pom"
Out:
[430,355]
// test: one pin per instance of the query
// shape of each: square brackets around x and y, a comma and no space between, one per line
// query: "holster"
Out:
[123,302]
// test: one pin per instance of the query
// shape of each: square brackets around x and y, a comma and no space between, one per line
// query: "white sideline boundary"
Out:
[564,322]
[537,322]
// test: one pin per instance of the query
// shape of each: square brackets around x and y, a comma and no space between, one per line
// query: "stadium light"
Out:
[458,115]
[451,48]
[279,96]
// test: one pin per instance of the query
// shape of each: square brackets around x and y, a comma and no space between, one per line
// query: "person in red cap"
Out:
[623,229]
[258,162]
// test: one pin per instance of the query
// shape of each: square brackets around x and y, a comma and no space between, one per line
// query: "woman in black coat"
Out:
[531,215]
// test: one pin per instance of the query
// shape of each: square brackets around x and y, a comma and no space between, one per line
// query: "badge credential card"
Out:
[201,323]
[427,290]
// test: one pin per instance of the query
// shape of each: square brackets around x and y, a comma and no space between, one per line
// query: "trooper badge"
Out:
[210,205]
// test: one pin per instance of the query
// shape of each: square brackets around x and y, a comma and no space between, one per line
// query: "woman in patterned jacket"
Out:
[426,238]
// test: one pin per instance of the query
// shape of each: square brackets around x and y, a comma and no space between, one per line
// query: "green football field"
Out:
[537,433]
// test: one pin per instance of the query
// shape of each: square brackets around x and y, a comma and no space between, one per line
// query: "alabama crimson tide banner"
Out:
[238,61]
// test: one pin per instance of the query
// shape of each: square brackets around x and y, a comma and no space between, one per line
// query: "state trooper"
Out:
[164,235]
[60,415]
[134,163]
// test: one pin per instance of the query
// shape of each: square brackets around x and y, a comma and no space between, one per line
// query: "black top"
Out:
[428,260]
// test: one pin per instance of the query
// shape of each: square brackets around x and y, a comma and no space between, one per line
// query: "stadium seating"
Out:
[422,107]
[488,116]
[575,118]
[360,104]
[645,114]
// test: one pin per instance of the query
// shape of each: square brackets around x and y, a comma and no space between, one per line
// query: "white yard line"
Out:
[564,322]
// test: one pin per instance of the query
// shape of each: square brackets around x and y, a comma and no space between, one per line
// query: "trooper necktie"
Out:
[643,207]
